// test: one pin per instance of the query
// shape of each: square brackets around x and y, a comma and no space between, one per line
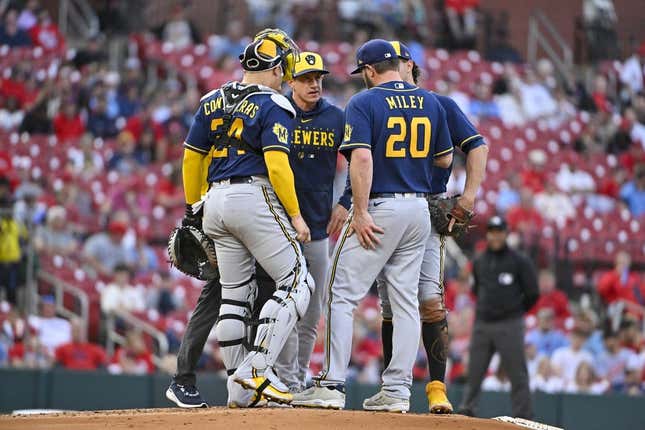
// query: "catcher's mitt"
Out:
[193,253]
[443,210]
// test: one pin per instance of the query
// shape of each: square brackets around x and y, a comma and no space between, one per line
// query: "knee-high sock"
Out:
[435,342]
[386,336]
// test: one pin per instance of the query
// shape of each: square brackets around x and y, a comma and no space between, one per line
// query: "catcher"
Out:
[239,141]
[449,217]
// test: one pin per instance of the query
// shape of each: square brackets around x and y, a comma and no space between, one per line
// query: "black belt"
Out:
[396,195]
[241,180]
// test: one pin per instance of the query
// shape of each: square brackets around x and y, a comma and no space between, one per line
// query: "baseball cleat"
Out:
[185,396]
[326,397]
[268,385]
[437,399]
[238,397]
[382,401]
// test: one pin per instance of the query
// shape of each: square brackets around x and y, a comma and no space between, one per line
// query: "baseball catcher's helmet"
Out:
[270,47]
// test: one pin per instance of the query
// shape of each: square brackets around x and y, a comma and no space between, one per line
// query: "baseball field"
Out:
[273,419]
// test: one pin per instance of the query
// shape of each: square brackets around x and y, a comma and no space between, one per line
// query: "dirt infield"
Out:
[220,418]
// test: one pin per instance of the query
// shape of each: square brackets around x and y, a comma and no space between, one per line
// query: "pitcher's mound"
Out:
[243,419]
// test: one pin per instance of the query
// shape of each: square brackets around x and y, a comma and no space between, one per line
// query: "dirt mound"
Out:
[239,419]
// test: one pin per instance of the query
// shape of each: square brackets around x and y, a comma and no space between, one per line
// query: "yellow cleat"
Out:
[268,390]
[437,399]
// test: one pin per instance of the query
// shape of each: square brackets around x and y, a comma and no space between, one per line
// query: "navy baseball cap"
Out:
[401,50]
[496,223]
[372,52]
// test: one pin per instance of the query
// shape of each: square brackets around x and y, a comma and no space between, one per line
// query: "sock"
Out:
[435,342]
[386,336]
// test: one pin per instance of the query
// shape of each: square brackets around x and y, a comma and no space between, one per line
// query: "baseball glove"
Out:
[443,210]
[193,253]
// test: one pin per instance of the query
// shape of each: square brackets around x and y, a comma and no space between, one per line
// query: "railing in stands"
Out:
[114,337]
[77,20]
[60,288]
[543,34]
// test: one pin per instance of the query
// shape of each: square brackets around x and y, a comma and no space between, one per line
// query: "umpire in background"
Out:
[506,288]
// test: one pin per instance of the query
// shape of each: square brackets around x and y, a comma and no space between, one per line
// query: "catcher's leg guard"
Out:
[277,319]
[231,330]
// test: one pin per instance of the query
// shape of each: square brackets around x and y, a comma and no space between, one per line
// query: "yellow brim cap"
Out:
[309,62]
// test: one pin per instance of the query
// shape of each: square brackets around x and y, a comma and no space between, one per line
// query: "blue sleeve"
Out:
[197,139]
[339,124]
[346,199]
[276,130]
[442,144]
[463,133]
[358,131]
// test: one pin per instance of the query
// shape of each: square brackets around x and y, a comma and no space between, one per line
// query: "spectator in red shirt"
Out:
[68,124]
[46,34]
[524,218]
[599,95]
[133,358]
[620,284]
[30,354]
[14,87]
[79,354]
[551,298]
[534,177]
[141,121]
[609,185]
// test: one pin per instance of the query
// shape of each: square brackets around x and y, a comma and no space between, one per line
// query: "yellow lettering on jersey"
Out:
[306,137]
[330,137]
[247,108]
[212,105]
[403,102]
[316,141]
[242,106]
[296,136]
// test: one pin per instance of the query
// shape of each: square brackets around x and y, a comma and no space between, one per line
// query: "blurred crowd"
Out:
[90,172]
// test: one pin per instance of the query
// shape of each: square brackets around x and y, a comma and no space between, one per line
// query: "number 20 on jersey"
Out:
[420,131]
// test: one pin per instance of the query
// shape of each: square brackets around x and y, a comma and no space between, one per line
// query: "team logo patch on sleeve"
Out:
[281,133]
[348,133]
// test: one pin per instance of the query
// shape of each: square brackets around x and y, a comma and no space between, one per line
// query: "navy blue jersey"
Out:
[405,128]
[463,135]
[258,120]
[315,139]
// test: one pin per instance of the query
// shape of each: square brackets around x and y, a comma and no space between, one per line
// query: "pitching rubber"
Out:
[533,425]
